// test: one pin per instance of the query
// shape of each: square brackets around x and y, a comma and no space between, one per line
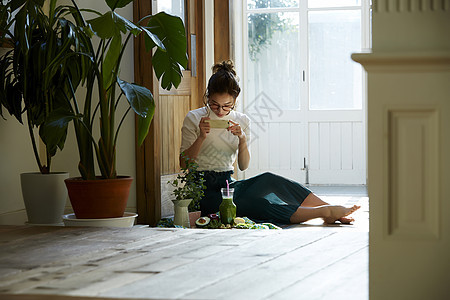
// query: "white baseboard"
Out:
[20,217]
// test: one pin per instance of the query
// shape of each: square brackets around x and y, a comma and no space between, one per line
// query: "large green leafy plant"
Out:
[27,86]
[111,34]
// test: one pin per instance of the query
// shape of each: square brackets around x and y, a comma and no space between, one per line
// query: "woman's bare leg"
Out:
[303,214]
[313,201]
[329,213]
[313,207]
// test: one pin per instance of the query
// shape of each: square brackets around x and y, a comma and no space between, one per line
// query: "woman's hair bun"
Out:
[223,80]
[226,65]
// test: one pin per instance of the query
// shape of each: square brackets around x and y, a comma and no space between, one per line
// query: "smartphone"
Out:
[218,123]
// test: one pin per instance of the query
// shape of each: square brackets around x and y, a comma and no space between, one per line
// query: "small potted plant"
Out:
[189,189]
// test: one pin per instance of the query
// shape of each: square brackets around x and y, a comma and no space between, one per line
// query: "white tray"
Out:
[127,220]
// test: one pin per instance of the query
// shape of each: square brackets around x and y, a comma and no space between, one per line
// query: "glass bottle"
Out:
[227,208]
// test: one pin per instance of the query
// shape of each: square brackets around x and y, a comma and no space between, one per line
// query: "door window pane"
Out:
[332,3]
[274,59]
[253,4]
[335,80]
[173,7]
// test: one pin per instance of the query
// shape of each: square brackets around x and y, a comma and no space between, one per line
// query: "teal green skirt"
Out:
[264,198]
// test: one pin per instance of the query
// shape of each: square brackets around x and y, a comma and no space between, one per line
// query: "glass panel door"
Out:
[255,4]
[333,3]
[273,65]
[335,80]
[303,92]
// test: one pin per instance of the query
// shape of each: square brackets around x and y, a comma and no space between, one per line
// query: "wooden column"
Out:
[221,30]
[408,145]
[200,83]
[148,169]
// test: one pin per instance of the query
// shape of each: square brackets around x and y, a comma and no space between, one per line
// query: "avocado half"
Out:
[202,222]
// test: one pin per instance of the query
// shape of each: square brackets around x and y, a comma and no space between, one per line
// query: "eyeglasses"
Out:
[215,106]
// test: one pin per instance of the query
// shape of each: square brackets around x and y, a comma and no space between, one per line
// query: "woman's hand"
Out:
[205,127]
[236,130]
[243,153]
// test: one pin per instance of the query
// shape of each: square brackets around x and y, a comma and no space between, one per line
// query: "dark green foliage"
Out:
[189,184]
[102,75]
[27,84]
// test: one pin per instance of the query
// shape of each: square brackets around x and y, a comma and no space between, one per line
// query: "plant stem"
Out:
[33,142]
[49,160]
[120,124]
[75,102]
[118,98]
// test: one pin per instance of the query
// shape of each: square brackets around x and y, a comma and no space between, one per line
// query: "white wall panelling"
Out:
[413,169]
[335,153]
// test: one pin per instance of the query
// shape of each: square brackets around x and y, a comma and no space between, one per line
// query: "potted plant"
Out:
[29,88]
[189,186]
[106,195]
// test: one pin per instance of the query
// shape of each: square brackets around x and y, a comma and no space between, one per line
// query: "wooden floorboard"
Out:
[343,279]
[285,269]
[310,261]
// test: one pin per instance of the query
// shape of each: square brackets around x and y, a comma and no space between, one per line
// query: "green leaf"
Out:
[110,60]
[15,4]
[20,30]
[14,101]
[141,101]
[124,24]
[110,24]
[168,64]
[143,127]
[113,4]
[104,26]
[54,130]
[139,97]
[151,40]
[167,70]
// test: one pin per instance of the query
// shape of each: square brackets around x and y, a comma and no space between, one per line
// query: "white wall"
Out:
[16,156]
[16,153]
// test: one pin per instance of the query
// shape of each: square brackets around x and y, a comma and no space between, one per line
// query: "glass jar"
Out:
[227,208]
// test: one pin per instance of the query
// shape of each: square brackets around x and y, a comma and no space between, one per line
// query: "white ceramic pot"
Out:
[45,197]
[181,213]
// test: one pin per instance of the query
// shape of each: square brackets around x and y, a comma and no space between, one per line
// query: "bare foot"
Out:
[340,213]
[345,220]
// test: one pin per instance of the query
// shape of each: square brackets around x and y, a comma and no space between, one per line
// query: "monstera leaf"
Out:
[168,62]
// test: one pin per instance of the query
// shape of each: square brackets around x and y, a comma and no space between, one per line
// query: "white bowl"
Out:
[126,221]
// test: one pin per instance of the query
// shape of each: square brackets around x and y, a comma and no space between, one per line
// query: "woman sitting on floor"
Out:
[263,198]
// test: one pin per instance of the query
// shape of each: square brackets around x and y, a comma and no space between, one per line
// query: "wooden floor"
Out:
[307,261]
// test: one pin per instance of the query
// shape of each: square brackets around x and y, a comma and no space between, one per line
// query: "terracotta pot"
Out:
[193,216]
[97,199]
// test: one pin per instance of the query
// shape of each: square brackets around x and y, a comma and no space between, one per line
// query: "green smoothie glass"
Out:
[227,208]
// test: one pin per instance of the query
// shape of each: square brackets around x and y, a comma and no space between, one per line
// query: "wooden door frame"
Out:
[148,156]
[148,169]
[221,30]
